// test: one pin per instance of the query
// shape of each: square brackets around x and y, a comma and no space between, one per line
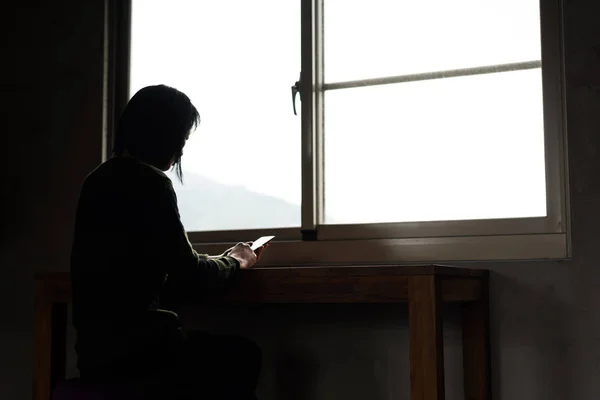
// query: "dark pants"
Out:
[197,366]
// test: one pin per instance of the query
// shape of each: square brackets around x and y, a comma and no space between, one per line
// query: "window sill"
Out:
[553,246]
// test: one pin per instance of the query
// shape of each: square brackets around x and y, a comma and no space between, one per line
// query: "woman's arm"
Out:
[212,257]
[182,262]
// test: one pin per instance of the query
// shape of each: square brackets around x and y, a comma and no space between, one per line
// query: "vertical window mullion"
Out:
[117,62]
[319,110]
[310,83]
[555,143]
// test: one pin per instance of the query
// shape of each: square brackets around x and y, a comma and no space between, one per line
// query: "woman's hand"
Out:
[244,254]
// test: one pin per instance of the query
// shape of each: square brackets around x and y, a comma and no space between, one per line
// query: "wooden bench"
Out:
[424,288]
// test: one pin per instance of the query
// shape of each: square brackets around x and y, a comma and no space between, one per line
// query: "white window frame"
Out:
[408,242]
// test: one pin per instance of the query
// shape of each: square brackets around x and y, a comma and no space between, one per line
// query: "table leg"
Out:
[476,347]
[426,339]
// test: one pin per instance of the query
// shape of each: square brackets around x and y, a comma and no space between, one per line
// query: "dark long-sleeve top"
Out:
[128,244]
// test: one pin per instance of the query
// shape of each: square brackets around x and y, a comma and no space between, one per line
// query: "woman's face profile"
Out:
[174,158]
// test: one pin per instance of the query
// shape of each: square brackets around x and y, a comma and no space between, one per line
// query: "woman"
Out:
[130,246]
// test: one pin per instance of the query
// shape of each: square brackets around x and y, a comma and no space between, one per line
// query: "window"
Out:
[425,131]
[242,166]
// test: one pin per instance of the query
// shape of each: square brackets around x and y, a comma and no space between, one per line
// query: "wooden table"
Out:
[424,288]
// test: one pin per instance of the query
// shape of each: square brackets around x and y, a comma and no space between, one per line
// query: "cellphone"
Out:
[261,241]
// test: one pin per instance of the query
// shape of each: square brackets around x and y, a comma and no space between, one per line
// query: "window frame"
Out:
[384,243]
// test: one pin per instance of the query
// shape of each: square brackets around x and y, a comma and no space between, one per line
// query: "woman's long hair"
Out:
[155,126]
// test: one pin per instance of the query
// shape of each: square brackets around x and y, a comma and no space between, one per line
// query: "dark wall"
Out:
[545,321]
[52,138]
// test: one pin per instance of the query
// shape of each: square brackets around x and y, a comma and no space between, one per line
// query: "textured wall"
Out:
[545,319]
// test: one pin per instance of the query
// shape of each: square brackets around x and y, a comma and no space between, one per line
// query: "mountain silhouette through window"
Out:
[206,205]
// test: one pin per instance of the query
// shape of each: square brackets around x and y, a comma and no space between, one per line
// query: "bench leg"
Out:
[426,339]
[50,344]
[476,347]
[59,344]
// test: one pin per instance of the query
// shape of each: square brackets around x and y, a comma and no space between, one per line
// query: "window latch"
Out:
[295,91]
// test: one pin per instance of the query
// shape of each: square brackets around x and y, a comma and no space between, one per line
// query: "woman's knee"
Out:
[254,354]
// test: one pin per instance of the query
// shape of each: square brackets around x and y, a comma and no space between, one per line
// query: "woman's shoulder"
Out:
[122,170]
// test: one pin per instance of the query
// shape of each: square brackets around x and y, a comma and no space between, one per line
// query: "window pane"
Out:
[376,38]
[451,149]
[236,62]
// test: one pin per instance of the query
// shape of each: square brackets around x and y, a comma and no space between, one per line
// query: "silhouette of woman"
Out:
[131,255]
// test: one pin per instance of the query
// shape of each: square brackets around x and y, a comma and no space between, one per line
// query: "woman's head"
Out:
[155,125]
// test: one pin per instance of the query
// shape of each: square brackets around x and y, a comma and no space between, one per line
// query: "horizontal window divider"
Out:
[425,76]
